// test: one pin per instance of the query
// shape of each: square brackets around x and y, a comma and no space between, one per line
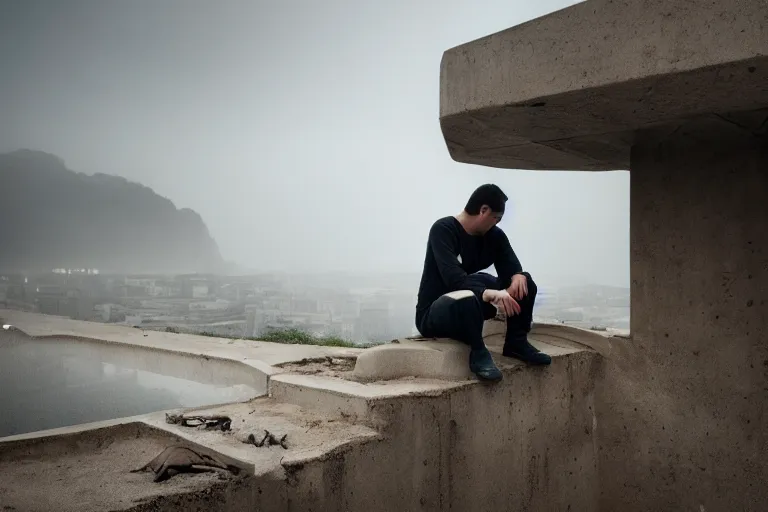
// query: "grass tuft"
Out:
[297,337]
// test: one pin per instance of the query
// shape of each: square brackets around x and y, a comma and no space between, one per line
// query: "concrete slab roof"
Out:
[571,90]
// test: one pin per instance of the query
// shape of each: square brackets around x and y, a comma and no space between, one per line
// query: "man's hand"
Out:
[519,287]
[502,300]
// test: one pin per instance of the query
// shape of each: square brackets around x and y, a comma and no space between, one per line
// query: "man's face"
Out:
[488,219]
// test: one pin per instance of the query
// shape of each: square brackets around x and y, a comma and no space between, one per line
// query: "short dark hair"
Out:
[488,194]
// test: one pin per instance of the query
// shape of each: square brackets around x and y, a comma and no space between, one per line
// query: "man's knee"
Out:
[454,312]
[467,305]
[531,285]
[464,301]
[459,294]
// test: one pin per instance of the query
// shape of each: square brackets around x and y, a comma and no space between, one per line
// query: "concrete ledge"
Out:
[446,359]
[105,380]
[216,361]
[350,443]
[537,427]
[439,359]
[573,337]
[37,325]
[571,89]
[426,368]
[87,468]
[336,397]
[168,362]
[90,470]
[350,400]
[249,417]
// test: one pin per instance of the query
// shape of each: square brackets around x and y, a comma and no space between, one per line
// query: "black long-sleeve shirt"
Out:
[453,254]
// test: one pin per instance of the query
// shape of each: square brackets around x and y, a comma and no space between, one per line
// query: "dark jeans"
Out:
[462,318]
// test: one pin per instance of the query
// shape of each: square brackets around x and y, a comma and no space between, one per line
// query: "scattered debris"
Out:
[269,439]
[420,338]
[222,423]
[326,365]
[182,459]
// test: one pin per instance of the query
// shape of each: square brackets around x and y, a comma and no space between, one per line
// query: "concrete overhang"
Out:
[571,90]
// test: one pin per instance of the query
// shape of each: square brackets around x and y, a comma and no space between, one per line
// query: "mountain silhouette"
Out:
[52,217]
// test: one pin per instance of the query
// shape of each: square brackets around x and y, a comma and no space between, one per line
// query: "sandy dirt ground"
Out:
[89,473]
[91,470]
[340,367]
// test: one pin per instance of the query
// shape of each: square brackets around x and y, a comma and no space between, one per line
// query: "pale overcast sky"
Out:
[305,133]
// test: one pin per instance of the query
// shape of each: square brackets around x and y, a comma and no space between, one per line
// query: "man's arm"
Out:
[454,277]
[505,260]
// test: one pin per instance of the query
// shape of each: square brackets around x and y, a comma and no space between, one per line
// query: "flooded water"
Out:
[60,382]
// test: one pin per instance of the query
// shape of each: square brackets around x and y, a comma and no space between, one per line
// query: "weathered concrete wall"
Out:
[684,411]
[527,443]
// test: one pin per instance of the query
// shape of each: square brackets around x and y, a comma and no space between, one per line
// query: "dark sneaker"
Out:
[520,348]
[481,364]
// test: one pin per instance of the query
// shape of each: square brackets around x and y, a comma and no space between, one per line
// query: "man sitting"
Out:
[455,298]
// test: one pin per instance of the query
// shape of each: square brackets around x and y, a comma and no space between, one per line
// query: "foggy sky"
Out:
[305,133]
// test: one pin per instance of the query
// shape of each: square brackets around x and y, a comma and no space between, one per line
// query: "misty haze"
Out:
[246,168]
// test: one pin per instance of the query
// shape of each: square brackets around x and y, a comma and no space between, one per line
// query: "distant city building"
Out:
[70,271]
[210,305]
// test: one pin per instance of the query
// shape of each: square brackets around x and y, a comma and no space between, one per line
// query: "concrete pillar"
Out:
[683,422]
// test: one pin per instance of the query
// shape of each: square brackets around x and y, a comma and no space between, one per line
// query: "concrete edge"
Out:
[290,387]
[262,369]
[344,351]
[373,390]
[352,401]
[297,460]
[114,422]
[147,419]
[155,423]
[355,400]
[187,353]
[76,429]
[597,341]
[66,433]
